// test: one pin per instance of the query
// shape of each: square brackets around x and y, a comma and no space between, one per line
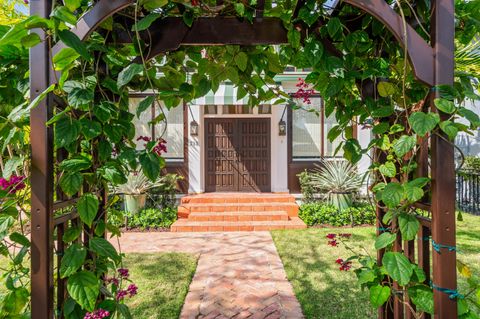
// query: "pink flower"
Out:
[14,184]
[132,290]
[121,294]
[304,92]
[123,272]
[339,261]
[112,280]
[346,266]
[97,314]
[331,236]
[346,236]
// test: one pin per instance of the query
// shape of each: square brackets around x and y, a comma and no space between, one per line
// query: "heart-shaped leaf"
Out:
[84,288]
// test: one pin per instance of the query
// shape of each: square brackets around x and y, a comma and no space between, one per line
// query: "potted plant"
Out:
[135,190]
[339,181]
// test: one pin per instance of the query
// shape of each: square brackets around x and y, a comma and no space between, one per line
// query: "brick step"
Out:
[290,208]
[220,198]
[186,225]
[238,216]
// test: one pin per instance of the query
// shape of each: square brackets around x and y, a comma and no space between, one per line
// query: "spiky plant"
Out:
[338,180]
[137,184]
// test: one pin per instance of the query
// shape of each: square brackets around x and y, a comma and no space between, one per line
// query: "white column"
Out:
[195,152]
[364,138]
[279,152]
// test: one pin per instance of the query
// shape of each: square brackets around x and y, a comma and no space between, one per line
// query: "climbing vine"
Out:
[356,65]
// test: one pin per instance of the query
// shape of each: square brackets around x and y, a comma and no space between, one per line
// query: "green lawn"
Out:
[326,292]
[163,281]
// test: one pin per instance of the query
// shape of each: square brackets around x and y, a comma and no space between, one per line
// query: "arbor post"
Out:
[41,138]
[443,167]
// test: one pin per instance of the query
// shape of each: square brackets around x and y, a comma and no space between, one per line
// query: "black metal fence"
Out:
[468,191]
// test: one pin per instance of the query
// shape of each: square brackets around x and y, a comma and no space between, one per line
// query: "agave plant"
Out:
[338,180]
[136,187]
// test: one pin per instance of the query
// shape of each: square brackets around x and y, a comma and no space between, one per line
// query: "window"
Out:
[309,133]
[231,109]
[170,130]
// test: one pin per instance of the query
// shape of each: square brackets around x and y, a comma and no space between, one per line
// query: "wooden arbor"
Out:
[431,63]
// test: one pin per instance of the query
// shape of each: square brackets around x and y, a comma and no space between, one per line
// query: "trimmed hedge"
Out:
[319,213]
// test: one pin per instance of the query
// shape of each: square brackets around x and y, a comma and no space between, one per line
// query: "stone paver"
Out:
[239,274]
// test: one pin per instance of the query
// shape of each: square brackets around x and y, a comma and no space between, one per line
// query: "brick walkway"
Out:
[239,275]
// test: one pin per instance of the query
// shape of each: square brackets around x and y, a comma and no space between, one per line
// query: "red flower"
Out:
[345,235]
[333,243]
[339,261]
[331,236]
[346,266]
[303,92]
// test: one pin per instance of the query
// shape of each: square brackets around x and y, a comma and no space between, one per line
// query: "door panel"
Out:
[237,155]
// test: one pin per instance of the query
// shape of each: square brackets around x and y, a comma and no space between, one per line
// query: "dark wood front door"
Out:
[237,155]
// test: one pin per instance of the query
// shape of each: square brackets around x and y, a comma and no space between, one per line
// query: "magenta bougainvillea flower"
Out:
[345,235]
[112,280]
[333,243]
[132,290]
[97,314]
[123,272]
[331,236]
[304,92]
[159,148]
[13,184]
[122,293]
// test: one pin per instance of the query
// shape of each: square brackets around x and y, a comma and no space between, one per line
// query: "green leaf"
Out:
[125,311]
[423,123]
[104,150]
[21,111]
[418,274]
[15,302]
[313,51]
[87,207]
[188,18]
[241,60]
[409,226]
[71,234]
[103,111]
[145,104]
[388,169]
[398,267]
[90,129]
[72,260]
[419,182]
[72,5]
[379,295]
[150,165]
[64,58]
[127,74]
[19,239]
[76,164]
[84,288]
[31,40]
[113,174]
[381,128]
[71,40]
[384,240]
[445,106]
[404,145]
[385,89]
[11,165]
[146,22]
[71,183]
[78,97]
[294,37]
[471,116]
[422,297]
[203,87]
[449,128]
[413,193]
[392,194]
[103,248]
[63,14]
[334,26]
[154,4]
[240,9]
[66,131]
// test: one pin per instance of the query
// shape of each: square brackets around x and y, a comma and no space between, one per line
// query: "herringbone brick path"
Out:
[239,274]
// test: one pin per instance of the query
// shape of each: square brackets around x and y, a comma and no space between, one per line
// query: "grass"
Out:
[163,281]
[324,291]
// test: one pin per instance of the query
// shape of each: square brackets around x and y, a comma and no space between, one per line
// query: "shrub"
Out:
[472,163]
[319,213]
[153,218]
[306,186]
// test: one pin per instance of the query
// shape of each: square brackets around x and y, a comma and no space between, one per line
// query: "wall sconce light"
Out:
[193,128]
[282,128]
